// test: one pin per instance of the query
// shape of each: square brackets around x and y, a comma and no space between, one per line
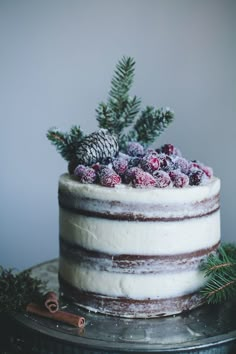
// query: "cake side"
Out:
[148,263]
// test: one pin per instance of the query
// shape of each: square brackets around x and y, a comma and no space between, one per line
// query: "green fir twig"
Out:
[120,115]
[220,269]
[66,143]
[123,111]
[19,289]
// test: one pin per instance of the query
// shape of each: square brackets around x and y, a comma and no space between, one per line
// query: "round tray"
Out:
[209,329]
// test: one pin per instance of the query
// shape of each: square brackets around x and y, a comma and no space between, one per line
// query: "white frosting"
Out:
[134,237]
[135,286]
[125,193]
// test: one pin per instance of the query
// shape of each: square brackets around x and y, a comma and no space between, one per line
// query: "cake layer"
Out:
[133,264]
[126,307]
[140,238]
[135,286]
[127,203]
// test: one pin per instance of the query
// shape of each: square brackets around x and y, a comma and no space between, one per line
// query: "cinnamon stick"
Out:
[51,302]
[62,316]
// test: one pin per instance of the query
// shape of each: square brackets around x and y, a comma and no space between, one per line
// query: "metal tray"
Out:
[209,329]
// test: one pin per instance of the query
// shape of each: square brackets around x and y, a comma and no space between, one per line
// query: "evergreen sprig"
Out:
[220,269]
[66,143]
[151,123]
[120,115]
[123,111]
[18,289]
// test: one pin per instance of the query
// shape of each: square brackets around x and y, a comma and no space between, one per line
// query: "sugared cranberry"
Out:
[79,170]
[143,179]
[134,161]
[85,174]
[135,149]
[181,180]
[108,177]
[166,162]
[208,171]
[168,149]
[129,174]
[150,162]
[96,166]
[162,178]
[120,165]
[195,177]
[182,164]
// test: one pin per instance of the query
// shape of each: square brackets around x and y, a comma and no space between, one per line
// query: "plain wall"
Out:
[56,63]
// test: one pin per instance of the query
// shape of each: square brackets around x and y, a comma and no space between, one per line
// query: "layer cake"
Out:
[134,252]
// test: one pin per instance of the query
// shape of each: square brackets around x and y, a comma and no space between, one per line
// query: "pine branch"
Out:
[221,272]
[122,79]
[105,117]
[66,143]
[149,125]
[18,289]
[120,110]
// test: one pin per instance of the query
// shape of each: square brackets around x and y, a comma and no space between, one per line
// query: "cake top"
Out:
[119,152]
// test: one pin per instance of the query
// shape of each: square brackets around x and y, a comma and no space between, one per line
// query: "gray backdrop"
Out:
[56,62]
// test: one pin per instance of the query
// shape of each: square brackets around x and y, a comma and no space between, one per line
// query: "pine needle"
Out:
[220,269]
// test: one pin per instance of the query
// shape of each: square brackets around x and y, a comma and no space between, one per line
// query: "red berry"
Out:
[150,162]
[135,149]
[168,149]
[129,175]
[195,177]
[181,180]
[166,162]
[96,166]
[108,177]
[162,178]
[142,179]
[85,174]
[79,170]
[120,165]
[208,171]
[182,164]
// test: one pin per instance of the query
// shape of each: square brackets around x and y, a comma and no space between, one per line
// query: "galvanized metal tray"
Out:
[209,329]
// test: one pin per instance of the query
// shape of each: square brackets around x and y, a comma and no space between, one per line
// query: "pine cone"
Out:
[97,147]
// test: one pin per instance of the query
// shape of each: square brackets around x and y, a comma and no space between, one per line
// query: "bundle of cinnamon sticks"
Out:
[50,309]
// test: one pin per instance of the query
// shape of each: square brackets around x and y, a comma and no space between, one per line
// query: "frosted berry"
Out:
[108,177]
[168,149]
[79,170]
[162,178]
[166,162]
[134,162]
[208,171]
[120,165]
[96,166]
[135,149]
[195,177]
[182,164]
[85,174]
[142,179]
[173,174]
[150,162]
[181,180]
[129,174]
